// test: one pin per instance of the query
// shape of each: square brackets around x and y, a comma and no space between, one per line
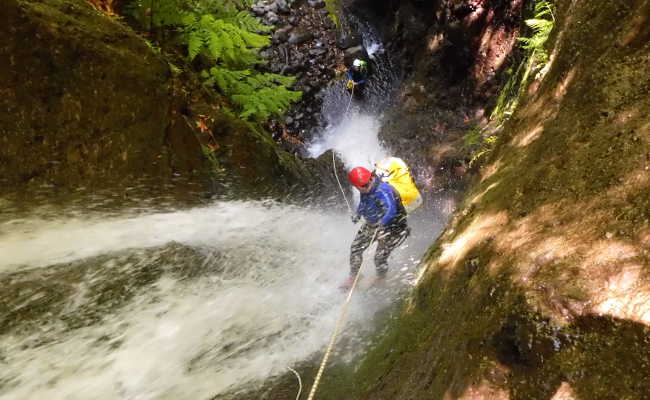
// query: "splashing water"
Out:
[374,49]
[263,297]
[354,140]
[194,303]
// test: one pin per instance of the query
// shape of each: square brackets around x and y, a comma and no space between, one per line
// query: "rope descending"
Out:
[339,324]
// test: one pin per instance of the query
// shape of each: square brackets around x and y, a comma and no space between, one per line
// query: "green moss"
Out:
[461,325]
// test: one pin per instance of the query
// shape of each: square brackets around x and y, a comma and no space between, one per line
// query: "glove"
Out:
[350,83]
[355,218]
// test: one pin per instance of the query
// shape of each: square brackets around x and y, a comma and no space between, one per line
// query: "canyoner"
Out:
[357,75]
[387,195]
[384,217]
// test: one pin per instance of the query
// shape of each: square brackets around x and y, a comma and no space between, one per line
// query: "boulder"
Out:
[299,37]
[316,3]
[354,52]
[347,40]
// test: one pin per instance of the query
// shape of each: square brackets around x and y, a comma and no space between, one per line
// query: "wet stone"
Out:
[282,34]
[271,18]
[300,37]
[317,52]
[316,3]
[283,6]
[258,10]
[347,41]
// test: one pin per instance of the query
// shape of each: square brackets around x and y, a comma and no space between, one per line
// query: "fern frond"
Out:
[259,96]
[217,42]
[224,42]
[231,81]
[244,20]
[544,9]
[195,43]
[232,37]
[266,102]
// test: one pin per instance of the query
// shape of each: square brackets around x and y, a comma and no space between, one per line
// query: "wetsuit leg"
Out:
[391,237]
[360,243]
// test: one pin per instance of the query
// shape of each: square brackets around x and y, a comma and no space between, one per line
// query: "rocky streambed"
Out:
[307,44]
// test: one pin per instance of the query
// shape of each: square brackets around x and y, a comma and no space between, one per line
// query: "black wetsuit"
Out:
[384,214]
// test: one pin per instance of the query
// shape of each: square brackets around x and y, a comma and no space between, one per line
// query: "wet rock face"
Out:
[90,104]
[74,112]
[454,55]
[539,287]
[303,45]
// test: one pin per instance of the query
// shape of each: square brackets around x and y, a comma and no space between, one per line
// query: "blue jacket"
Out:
[381,205]
[358,77]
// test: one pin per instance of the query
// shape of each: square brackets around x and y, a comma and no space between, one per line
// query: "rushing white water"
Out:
[270,301]
[197,303]
[354,139]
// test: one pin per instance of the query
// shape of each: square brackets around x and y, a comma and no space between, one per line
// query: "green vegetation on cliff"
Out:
[222,33]
[535,58]
[91,104]
[539,287]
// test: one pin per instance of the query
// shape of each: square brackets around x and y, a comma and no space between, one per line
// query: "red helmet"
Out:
[359,176]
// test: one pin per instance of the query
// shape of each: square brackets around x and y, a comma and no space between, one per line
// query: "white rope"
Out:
[339,323]
[350,101]
[299,382]
[339,182]
[334,161]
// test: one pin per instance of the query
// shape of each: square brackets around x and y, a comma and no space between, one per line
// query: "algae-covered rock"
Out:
[85,97]
[89,103]
[539,287]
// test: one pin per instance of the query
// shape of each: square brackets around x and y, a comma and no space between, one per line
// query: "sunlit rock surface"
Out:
[539,287]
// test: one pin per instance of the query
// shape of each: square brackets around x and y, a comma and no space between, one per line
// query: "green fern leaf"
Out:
[244,20]
[195,43]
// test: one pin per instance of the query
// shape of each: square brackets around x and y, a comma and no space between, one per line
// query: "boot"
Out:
[347,284]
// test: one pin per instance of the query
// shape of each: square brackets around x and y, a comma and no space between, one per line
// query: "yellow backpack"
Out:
[395,171]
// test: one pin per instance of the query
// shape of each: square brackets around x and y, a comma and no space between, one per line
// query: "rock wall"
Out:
[90,104]
[454,56]
[85,97]
[304,46]
[539,287]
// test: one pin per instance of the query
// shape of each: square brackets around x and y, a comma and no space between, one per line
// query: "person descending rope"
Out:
[357,75]
[381,207]
[395,171]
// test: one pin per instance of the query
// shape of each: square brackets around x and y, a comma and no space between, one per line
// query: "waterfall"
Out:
[192,303]
[263,296]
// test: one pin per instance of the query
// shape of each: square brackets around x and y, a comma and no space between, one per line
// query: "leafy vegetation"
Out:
[541,27]
[230,38]
[479,144]
[535,59]
[105,6]
[258,95]
[333,7]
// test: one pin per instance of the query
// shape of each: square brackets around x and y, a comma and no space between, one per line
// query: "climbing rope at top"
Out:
[334,159]
[339,182]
